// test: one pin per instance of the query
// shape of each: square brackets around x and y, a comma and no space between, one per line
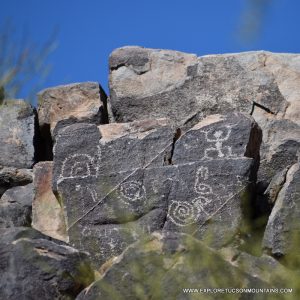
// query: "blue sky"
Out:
[88,30]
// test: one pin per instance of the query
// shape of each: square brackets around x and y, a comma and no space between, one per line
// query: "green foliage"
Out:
[23,64]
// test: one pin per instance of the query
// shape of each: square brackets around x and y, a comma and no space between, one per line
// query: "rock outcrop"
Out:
[159,83]
[186,177]
[116,182]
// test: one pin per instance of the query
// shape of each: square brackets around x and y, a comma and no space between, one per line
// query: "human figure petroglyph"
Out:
[218,137]
[131,191]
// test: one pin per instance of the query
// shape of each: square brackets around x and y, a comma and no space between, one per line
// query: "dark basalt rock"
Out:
[33,266]
[116,185]
[17,134]
[165,264]
[282,232]
[16,206]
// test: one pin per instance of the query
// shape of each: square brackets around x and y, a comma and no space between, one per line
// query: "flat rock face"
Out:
[122,181]
[162,266]
[78,102]
[10,177]
[33,266]
[47,212]
[16,206]
[185,88]
[17,134]
[282,232]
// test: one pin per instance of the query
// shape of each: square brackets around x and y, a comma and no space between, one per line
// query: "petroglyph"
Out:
[218,137]
[183,213]
[78,166]
[131,192]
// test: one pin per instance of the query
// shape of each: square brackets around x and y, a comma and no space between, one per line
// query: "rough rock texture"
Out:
[120,181]
[95,166]
[162,266]
[15,206]
[185,88]
[33,266]
[10,177]
[282,232]
[77,102]
[47,213]
[17,134]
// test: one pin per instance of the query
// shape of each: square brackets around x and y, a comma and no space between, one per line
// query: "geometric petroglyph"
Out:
[183,213]
[218,137]
[78,166]
[131,192]
[200,187]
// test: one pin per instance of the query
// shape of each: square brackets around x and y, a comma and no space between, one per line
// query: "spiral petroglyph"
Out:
[131,191]
[183,213]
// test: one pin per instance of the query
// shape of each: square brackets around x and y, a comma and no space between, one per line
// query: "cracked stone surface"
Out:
[33,266]
[185,88]
[282,232]
[162,265]
[117,185]
[17,134]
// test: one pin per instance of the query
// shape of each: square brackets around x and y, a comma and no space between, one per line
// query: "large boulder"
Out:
[33,266]
[161,83]
[282,232]
[16,206]
[173,266]
[77,102]
[47,212]
[17,134]
[122,181]
[101,177]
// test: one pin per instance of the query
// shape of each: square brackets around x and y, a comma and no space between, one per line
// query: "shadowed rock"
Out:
[282,232]
[16,206]
[33,266]
[162,266]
